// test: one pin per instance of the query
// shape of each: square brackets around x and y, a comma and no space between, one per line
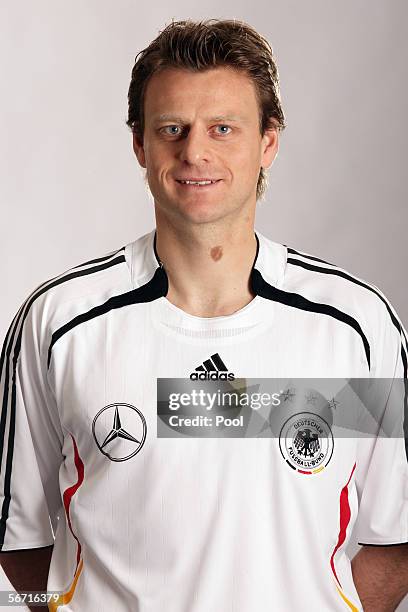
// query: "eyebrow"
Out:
[177,119]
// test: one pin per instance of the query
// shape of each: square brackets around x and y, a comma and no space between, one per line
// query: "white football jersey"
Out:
[143,523]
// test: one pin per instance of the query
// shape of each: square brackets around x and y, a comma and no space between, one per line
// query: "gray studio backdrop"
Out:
[70,188]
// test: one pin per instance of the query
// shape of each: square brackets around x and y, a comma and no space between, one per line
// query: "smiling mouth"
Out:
[198,183]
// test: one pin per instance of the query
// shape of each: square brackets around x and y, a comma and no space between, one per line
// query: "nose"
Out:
[195,146]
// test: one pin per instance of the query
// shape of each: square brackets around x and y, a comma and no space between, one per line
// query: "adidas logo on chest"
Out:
[212,369]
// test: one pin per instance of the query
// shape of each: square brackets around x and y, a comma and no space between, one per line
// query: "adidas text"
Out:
[212,376]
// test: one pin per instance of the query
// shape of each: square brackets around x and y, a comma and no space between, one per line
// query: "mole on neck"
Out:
[216,253]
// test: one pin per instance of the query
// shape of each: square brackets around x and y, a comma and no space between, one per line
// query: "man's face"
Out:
[203,126]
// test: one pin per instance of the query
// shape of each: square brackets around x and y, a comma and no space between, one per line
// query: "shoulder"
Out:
[327,283]
[105,275]
[85,282]
[59,299]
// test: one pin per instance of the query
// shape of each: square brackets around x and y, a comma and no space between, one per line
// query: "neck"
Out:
[208,266]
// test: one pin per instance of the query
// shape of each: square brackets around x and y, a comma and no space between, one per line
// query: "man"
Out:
[147,523]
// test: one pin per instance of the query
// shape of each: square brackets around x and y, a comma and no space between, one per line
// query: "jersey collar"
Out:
[269,262]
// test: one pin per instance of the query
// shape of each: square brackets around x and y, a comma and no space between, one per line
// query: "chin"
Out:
[194,210]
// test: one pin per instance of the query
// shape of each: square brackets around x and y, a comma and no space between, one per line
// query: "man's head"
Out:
[204,103]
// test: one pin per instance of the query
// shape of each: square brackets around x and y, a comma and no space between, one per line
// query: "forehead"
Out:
[217,91]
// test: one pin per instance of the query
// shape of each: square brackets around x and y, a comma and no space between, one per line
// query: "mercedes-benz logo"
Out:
[124,438]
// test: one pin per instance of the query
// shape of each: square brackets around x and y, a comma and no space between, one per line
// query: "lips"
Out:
[197,182]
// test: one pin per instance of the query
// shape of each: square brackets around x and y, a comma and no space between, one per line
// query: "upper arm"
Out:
[30,435]
[382,462]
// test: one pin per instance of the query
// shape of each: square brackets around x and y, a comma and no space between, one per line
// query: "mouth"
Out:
[198,183]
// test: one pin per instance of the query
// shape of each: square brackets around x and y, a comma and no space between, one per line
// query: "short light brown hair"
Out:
[202,45]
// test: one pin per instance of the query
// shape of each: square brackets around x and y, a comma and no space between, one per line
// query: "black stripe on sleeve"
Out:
[99,259]
[307,256]
[405,421]
[264,289]
[6,340]
[404,360]
[404,349]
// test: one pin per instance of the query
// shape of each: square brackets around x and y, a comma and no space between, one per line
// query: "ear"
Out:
[270,146]
[139,150]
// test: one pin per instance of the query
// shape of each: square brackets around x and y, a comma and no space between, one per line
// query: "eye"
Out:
[171,130]
[222,129]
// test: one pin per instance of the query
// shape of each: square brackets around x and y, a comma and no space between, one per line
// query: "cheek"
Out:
[246,149]
[154,162]
[152,149]
[246,158]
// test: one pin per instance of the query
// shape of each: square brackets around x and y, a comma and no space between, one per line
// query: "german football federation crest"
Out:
[306,442]
[119,431]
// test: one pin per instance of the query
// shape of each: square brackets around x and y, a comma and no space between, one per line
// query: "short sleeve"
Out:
[382,461]
[30,435]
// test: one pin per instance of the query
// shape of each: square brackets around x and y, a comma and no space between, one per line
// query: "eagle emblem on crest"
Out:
[306,442]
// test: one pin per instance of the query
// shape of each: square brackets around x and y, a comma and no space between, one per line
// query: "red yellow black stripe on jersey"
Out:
[344,518]
[66,597]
